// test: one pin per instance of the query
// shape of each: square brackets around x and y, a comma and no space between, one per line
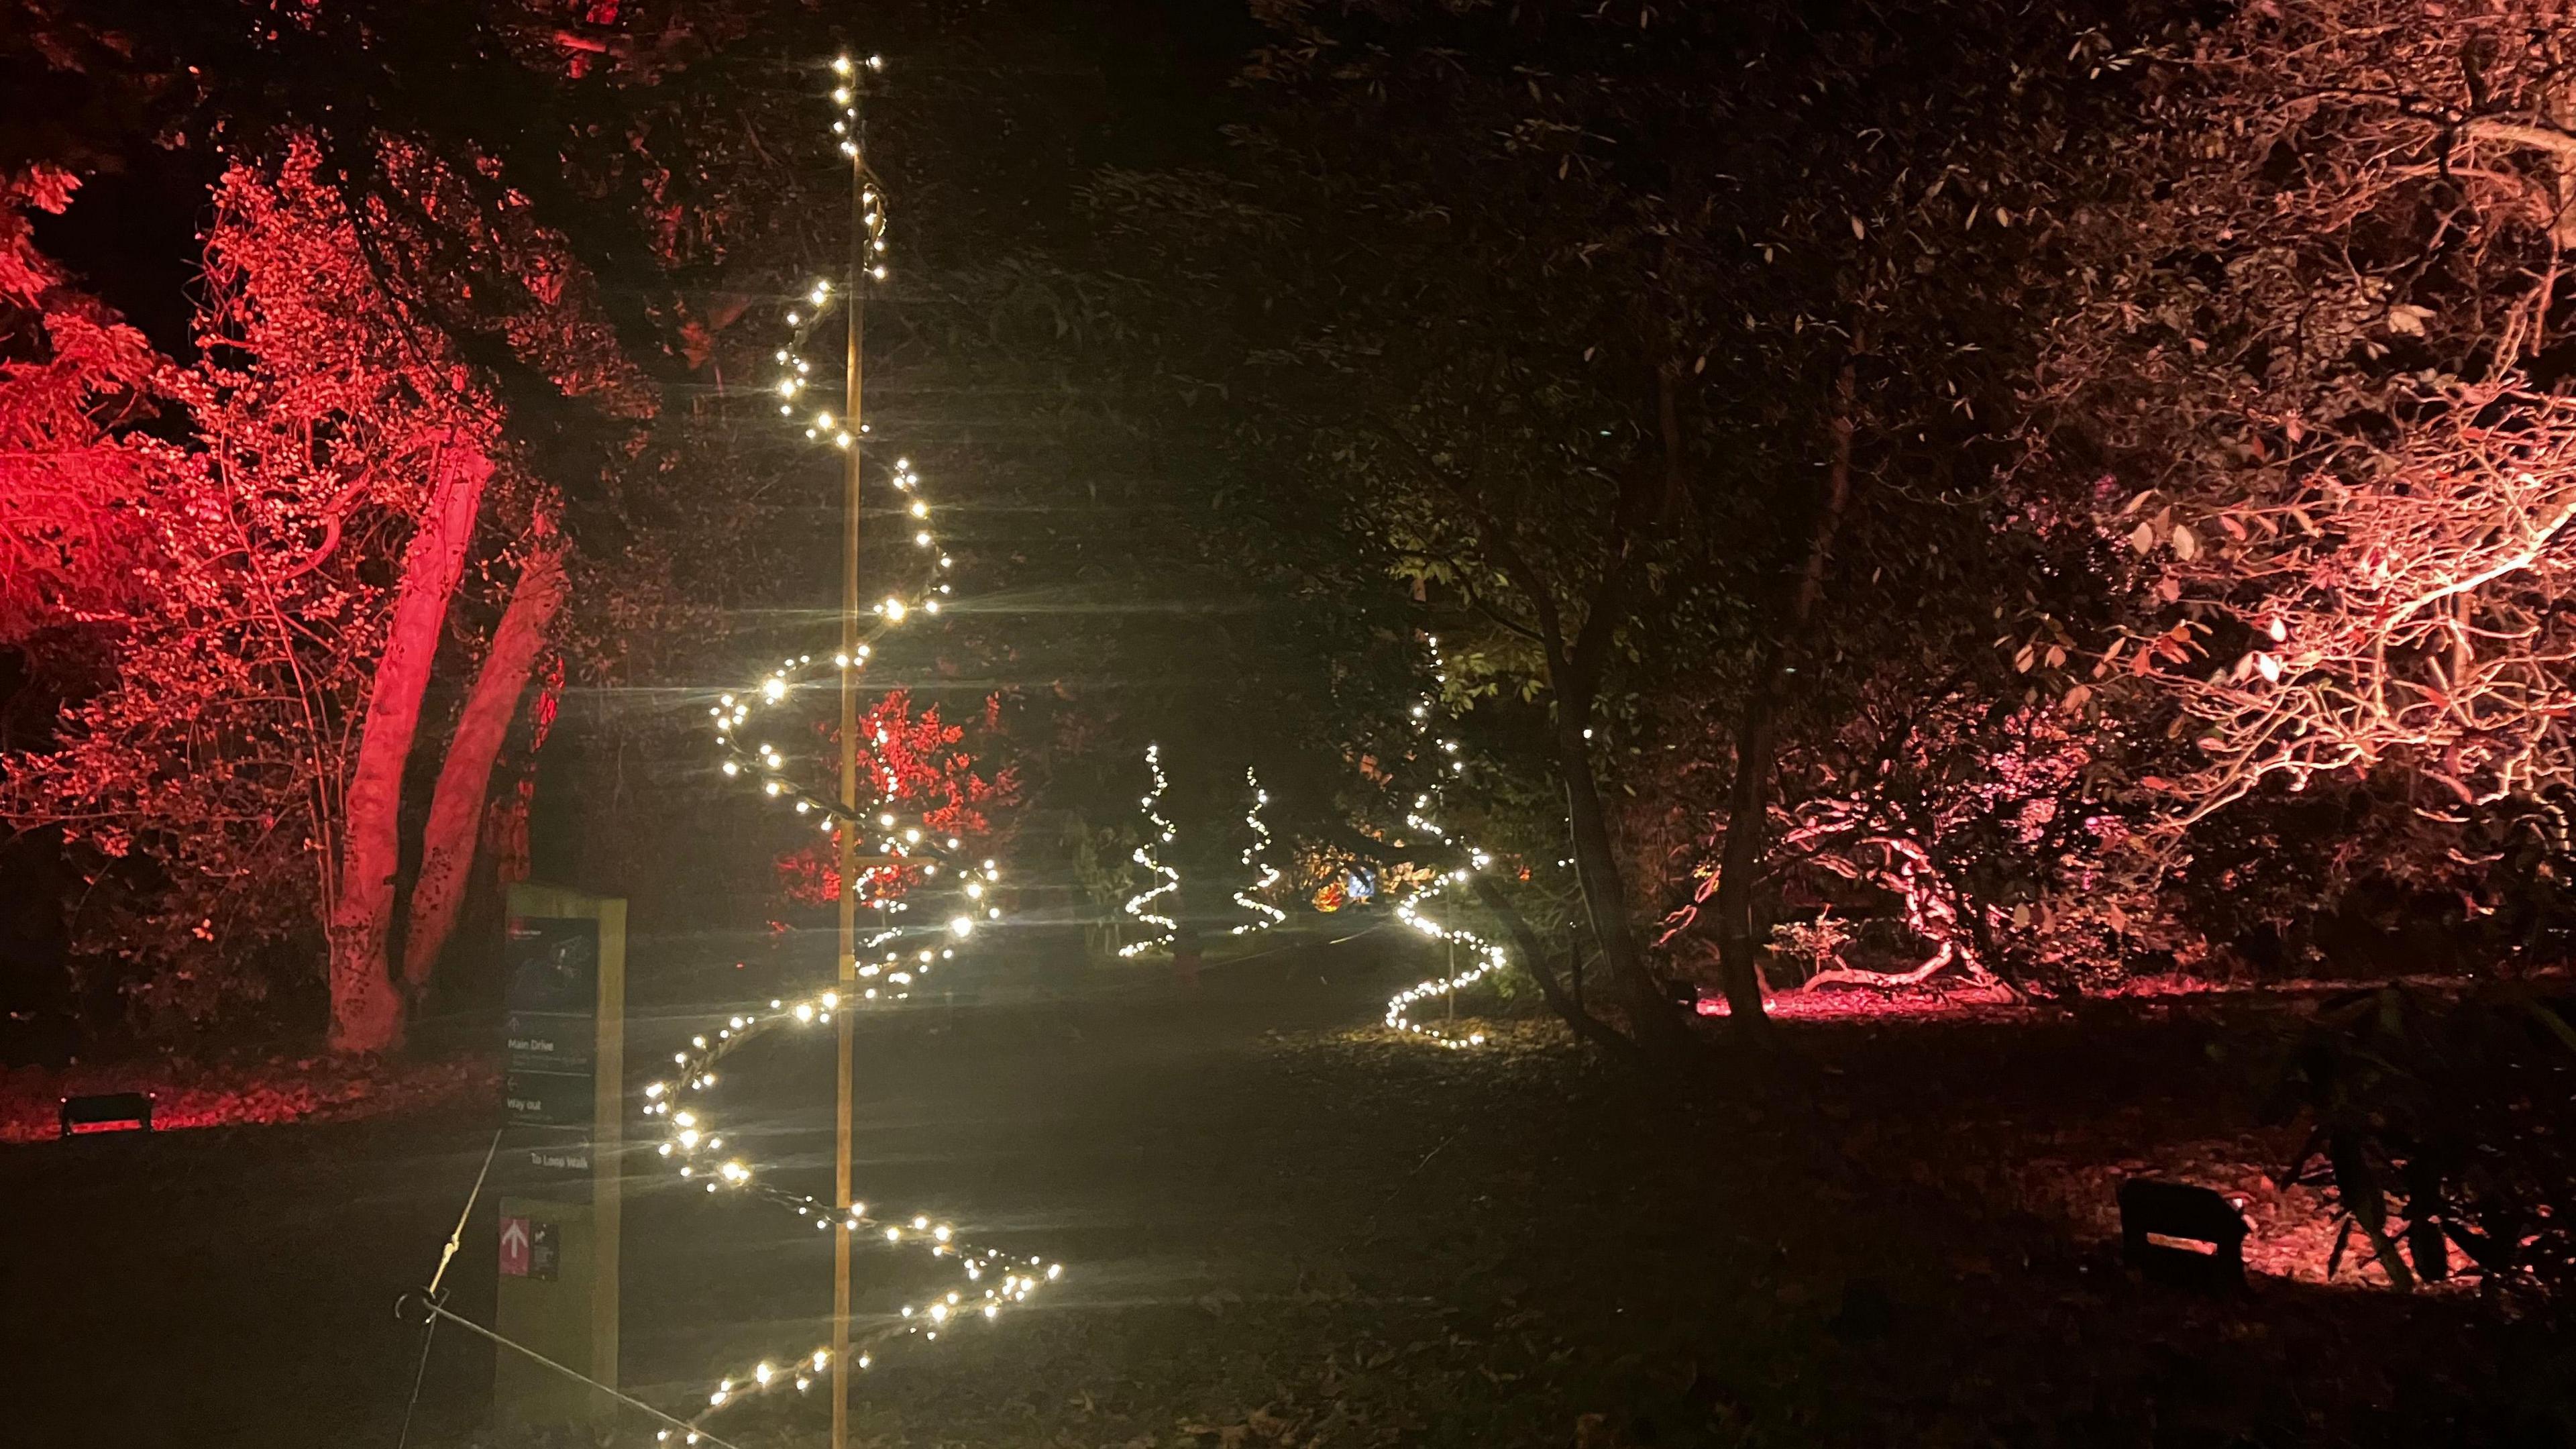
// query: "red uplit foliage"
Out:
[914,763]
[1984,825]
[239,581]
[2317,362]
[71,375]
[254,1095]
[1945,836]
[206,777]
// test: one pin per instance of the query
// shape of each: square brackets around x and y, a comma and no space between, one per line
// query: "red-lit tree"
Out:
[71,477]
[2319,375]
[916,762]
[296,568]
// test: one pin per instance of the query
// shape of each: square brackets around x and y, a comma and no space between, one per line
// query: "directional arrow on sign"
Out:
[514,1247]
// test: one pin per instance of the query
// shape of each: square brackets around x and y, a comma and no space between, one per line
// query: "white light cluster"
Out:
[1486,956]
[990,1282]
[910,841]
[1167,880]
[928,854]
[1257,855]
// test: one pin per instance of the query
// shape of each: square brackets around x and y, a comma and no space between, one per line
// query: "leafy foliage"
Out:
[914,760]
[2460,1112]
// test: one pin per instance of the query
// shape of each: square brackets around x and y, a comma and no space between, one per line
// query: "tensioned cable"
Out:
[446,1255]
[694,1433]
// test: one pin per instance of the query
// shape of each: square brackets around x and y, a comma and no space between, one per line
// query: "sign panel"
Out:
[551,1028]
[554,964]
[563,965]
[530,1248]
[547,1099]
[551,1154]
[550,1041]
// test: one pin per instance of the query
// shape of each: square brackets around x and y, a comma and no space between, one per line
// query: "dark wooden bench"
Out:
[106,1112]
[2173,1232]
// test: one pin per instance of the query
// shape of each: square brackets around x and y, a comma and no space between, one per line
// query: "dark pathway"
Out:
[1279,1233]
[235,1286]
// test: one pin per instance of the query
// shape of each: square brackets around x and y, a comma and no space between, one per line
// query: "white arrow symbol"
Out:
[514,1238]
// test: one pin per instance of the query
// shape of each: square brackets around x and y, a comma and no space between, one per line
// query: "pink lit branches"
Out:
[2408,605]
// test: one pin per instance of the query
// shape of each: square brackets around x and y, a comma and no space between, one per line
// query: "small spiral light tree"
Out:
[1485,957]
[1257,856]
[1150,855]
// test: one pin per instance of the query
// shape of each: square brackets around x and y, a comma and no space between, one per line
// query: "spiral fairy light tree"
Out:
[1257,856]
[1150,855]
[925,891]
[1484,957]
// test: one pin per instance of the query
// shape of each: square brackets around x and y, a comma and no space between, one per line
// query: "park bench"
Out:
[106,1112]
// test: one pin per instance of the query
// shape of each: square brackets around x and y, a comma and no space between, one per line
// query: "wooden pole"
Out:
[855,300]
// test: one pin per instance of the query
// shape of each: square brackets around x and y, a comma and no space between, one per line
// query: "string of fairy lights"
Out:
[1484,957]
[1257,856]
[987,1282]
[911,855]
[1149,855]
[910,852]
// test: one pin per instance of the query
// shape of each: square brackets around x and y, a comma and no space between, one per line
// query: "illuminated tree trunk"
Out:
[465,775]
[366,1009]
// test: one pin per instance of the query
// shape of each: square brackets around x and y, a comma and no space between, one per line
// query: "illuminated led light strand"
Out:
[692,1145]
[689,1134]
[1487,956]
[1140,905]
[797,374]
[904,835]
[1257,855]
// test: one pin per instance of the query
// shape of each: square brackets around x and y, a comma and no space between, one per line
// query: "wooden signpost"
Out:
[564,1030]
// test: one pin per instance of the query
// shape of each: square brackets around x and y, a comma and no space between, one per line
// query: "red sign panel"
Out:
[515,1240]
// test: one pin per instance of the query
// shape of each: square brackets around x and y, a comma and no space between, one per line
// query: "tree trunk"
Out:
[1568,1008]
[1748,813]
[465,775]
[1748,817]
[1605,900]
[366,1009]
